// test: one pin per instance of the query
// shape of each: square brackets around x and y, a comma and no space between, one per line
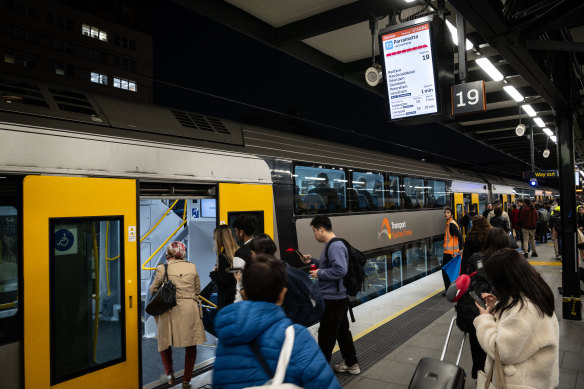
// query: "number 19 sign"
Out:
[469,97]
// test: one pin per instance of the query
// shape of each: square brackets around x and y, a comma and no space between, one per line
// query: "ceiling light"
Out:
[491,70]
[454,33]
[548,132]
[554,139]
[514,93]
[529,110]
[409,1]
[539,122]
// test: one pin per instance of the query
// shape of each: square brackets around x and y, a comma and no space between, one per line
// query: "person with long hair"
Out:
[181,326]
[225,246]
[520,321]
[474,240]
[466,311]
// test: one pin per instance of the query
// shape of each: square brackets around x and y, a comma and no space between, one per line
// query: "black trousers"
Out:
[478,354]
[334,326]
[445,259]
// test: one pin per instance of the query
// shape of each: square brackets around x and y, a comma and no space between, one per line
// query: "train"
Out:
[92,188]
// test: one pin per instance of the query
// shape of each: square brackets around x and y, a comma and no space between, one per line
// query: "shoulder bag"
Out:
[484,381]
[165,297]
[278,381]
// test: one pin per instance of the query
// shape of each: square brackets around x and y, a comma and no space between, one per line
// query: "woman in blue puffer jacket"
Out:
[260,318]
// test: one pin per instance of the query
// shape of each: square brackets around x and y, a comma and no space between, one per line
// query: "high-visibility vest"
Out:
[450,241]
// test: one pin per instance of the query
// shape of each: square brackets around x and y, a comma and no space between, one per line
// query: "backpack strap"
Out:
[335,239]
[166,272]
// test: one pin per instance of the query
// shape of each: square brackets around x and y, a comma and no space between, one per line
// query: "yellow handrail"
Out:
[108,259]
[158,222]
[161,246]
[207,301]
[96,295]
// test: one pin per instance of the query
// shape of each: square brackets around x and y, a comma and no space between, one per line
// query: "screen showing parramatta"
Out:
[409,70]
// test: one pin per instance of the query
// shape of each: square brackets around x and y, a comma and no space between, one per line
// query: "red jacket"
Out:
[528,218]
[514,216]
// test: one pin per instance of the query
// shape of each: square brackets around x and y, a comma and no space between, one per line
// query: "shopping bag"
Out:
[452,268]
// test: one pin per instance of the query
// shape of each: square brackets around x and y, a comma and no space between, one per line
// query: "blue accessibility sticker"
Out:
[64,240]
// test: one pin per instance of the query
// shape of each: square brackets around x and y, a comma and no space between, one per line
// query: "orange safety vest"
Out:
[450,242]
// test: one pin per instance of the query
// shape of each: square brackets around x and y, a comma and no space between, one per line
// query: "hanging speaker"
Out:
[546,153]
[374,75]
[520,130]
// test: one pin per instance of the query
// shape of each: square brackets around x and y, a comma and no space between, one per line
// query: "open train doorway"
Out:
[174,212]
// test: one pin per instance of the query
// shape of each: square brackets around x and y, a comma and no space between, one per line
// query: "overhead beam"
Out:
[501,112]
[505,124]
[537,44]
[488,21]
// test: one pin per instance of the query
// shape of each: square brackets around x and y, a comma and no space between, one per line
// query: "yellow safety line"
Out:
[161,246]
[158,222]
[546,263]
[390,318]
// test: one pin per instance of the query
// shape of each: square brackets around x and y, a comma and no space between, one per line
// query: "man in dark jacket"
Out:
[528,218]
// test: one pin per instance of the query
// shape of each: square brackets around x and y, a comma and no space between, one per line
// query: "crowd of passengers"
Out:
[518,322]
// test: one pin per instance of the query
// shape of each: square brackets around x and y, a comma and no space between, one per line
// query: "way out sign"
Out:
[469,97]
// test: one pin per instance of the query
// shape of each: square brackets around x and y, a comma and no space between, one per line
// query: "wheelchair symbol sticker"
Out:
[64,240]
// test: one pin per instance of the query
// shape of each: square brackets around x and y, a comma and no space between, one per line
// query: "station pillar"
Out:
[571,301]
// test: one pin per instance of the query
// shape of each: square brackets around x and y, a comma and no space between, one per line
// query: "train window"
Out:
[413,191]
[8,273]
[483,200]
[365,191]
[415,263]
[319,190]
[86,295]
[436,193]
[436,254]
[376,280]
[392,193]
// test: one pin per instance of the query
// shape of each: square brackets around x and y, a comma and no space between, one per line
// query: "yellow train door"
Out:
[237,199]
[80,283]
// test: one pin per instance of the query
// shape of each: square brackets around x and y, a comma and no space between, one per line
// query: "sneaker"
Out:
[534,254]
[342,367]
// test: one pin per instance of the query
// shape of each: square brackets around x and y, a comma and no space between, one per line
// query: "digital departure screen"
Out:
[409,71]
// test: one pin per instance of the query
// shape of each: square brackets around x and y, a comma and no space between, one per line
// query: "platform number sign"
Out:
[469,97]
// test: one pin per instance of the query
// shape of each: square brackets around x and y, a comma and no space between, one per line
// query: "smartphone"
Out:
[476,298]
[233,269]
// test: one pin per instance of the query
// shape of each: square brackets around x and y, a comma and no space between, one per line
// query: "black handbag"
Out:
[164,299]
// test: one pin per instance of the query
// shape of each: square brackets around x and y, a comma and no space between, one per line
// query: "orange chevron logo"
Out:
[385,229]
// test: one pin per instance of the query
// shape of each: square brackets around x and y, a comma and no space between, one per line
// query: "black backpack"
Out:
[303,302]
[355,276]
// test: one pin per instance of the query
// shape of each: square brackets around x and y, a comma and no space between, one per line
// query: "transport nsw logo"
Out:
[393,230]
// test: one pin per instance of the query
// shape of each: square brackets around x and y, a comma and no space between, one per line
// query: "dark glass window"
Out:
[9,263]
[436,194]
[319,189]
[366,191]
[415,263]
[86,295]
[413,192]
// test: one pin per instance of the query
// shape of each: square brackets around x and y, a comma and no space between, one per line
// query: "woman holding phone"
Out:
[520,320]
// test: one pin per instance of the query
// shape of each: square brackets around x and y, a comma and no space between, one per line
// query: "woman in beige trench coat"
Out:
[181,326]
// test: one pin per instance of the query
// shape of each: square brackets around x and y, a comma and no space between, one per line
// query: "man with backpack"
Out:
[332,267]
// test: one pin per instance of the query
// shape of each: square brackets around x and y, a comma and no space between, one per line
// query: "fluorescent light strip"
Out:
[454,33]
[529,110]
[554,139]
[488,67]
[514,93]
[548,132]
[539,122]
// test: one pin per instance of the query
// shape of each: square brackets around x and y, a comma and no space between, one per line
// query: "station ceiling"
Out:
[524,39]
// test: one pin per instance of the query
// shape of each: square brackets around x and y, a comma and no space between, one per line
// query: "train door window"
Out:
[436,254]
[86,295]
[319,190]
[395,274]
[376,280]
[415,264]
[257,215]
[392,192]
[436,193]
[483,200]
[366,191]
[413,192]
[9,253]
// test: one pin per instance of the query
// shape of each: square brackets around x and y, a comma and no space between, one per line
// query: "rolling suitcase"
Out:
[432,373]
